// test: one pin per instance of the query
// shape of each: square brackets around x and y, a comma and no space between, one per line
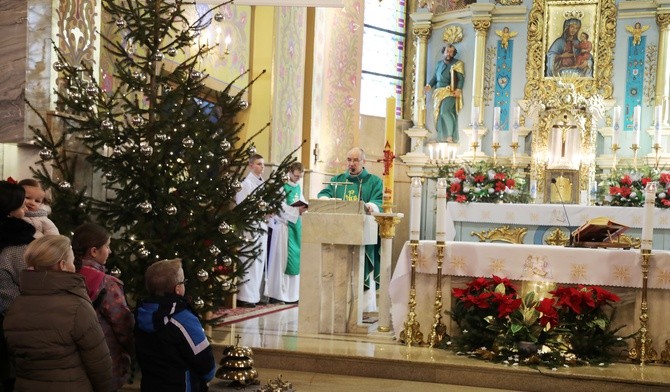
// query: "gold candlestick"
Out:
[615,148]
[643,351]
[439,330]
[657,155]
[634,147]
[474,146]
[514,146]
[495,146]
[411,334]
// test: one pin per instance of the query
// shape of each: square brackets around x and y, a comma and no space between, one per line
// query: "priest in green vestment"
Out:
[366,187]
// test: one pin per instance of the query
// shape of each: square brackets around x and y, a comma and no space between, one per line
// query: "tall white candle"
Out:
[616,125]
[475,116]
[647,237]
[657,124]
[515,125]
[415,209]
[441,216]
[636,125]
[496,125]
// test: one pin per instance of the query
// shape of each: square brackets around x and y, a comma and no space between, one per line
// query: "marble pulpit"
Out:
[332,256]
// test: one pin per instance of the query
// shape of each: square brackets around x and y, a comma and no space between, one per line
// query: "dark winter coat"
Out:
[15,235]
[55,336]
[171,347]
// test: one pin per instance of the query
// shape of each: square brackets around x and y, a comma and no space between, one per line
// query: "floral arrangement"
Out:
[483,183]
[625,187]
[571,327]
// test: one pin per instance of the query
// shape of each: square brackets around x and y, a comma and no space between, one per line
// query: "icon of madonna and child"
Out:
[570,55]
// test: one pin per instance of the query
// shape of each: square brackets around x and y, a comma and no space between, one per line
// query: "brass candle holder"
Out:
[635,147]
[514,146]
[643,351]
[615,148]
[474,146]
[438,330]
[495,146]
[657,154]
[411,334]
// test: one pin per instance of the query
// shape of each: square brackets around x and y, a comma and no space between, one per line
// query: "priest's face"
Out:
[355,162]
[295,176]
[257,167]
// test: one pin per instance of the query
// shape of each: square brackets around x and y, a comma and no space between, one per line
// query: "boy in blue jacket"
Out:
[171,347]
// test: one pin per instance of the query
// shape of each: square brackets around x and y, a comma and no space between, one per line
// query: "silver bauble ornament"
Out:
[137,120]
[225,145]
[196,75]
[237,186]
[187,142]
[118,151]
[145,206]
[58,66]
[227,261]
[120,23]
[146,150]
[198,303]
[244,105]
[202,275]
[158,56]
[161,136]
[285,178]
[262,205]
[252,150]
[109,175]
[139,76]
[214,250]
[224,161]
[144,253]
[115,272]
[107,124]
[91,90]
[65,185]
[46,154]
[171,209]
[218,17]
[224,228]
[172,52]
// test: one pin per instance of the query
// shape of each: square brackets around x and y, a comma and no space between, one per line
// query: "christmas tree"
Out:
[166,150]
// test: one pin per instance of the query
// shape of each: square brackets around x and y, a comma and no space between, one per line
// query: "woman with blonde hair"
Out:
[51,327]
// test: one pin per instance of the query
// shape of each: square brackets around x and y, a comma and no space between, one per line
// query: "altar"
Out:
[539,222]
[616,269]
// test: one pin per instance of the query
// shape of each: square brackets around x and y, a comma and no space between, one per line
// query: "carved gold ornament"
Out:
[453,35]
[502,234]
[557,238]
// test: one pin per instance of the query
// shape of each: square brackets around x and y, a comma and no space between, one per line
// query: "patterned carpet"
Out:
[231,316]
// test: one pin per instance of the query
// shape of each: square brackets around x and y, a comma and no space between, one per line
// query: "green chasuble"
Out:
[294,232]
[371,189]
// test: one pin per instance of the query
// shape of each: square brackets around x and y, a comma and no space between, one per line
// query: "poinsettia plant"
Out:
[484,183]
[572,326]
[625,187]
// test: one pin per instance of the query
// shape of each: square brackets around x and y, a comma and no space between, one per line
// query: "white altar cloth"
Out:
[605,267]
[547,214]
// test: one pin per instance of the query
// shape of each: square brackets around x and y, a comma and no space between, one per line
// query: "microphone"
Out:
[565,211]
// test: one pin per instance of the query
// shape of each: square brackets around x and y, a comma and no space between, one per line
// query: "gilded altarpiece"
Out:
[567,90]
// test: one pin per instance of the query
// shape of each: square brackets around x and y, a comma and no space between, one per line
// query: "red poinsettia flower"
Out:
[568,297]
[461,198]
[478,284]
[645,181]
[615,190]
[506,282]
[455,187]
[666,202]
[664,178]
[459,293]
[603,296]
[626,180]
[499,176]
[479,178]
[625,191]
[481,301]
[507,303]
[510,183]
[499,186]
[460,174]
[549,312]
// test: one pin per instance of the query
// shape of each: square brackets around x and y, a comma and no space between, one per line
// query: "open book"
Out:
[300,203]
[599,229]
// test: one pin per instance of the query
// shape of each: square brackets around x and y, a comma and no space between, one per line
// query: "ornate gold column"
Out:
[662,69]
[481,26]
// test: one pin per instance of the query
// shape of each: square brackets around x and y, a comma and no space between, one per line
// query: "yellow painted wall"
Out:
[260,93]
